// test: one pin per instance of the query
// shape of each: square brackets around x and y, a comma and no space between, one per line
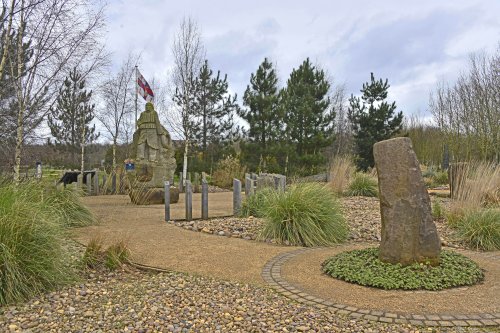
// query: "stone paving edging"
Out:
[271,273]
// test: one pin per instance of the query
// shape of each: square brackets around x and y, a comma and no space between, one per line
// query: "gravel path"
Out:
[135,301]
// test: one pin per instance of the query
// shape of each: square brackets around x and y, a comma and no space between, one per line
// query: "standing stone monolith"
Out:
[409,234]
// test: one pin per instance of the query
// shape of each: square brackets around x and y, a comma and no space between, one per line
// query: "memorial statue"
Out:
[153,154]
[153,141]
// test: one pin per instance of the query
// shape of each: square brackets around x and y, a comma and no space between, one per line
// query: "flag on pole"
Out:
[143,88]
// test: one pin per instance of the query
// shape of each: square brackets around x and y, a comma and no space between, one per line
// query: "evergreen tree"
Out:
[308,116]
[214,108]
[373,119]
[262,115]
[70,120]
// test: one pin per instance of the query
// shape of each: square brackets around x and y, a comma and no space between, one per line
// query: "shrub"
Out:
[363,267]
[228,169]
[480,228]
[93,256]
[32,224]
[341,172]
[307,214]
[437,210]
[254,204]
[363,185]
[440,178]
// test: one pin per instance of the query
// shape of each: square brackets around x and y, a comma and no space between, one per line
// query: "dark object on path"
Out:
[72,176]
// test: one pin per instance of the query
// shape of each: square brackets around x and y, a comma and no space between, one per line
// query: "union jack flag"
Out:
[143,88]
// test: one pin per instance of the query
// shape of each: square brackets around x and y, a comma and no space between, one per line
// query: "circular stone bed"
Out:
[363,267]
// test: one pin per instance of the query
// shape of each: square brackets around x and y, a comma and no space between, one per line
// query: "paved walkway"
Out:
[153,242]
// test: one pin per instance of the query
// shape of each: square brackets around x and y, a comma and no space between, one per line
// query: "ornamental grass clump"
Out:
[307,214]
[32,225]
[254,204]
[341,171]
[363,185]
[480,229]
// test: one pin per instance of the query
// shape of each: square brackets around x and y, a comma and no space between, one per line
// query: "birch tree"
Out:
[118,109]
[61,34]
[188,52]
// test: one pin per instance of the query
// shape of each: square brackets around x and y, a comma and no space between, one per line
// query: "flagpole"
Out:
[136,95]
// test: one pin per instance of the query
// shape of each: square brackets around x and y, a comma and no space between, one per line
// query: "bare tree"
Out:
[469,111]
[58,35]
[188,52]
[117,113]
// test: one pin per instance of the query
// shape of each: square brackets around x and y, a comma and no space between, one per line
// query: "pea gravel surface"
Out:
[138,301]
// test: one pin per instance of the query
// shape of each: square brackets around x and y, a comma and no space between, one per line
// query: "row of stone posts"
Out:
[197,181]
[93,185]
[188,201]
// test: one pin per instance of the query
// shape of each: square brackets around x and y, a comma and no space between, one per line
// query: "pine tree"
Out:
[214,109]
[70,120]
[262,115]
[373,119]
[308,116]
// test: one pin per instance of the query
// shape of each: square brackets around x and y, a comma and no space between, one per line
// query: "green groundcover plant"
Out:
[306,214]
[364,268]
[33,221]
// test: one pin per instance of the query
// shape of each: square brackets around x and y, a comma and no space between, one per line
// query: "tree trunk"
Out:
[82,143]
[114,155]
[6,39]
[185,163]
[20,101]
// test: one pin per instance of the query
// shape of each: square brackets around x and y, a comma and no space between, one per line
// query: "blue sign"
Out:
[129,166]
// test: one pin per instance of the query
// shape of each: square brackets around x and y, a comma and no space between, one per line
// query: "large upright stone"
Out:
[408,231]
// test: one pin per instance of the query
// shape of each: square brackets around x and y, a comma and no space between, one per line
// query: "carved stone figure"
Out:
[153,153]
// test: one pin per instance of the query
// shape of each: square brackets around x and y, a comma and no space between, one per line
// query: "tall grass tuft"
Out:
[480,228]
[32,224]
[363,185]
[341,171]
[307,214]
[254,204]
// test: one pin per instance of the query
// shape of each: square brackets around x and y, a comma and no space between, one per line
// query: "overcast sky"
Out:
[412,43]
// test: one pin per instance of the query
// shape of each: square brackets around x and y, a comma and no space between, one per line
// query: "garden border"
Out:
[271,273]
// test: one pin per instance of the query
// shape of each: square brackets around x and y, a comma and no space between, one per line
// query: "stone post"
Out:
[196,183]
[181,183]
[104,183]
[89,184]
[248,186]
[236,197]
[204,199]
[79,182]
[96,183]
[167,201]
[189,201]
[113,183]
[409,234]
[282,183]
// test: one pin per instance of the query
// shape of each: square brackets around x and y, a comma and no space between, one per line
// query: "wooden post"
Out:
[457,173]
[167,201]
[189,201]
[89,184]
[204,199]
[236,197]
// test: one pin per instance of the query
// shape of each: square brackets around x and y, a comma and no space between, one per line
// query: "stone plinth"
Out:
[409,234]
[153,196]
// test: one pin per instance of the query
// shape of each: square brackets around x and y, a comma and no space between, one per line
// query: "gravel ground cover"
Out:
[362,215]
[136,301]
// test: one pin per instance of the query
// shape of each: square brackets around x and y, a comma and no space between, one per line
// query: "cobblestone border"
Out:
[271,273]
